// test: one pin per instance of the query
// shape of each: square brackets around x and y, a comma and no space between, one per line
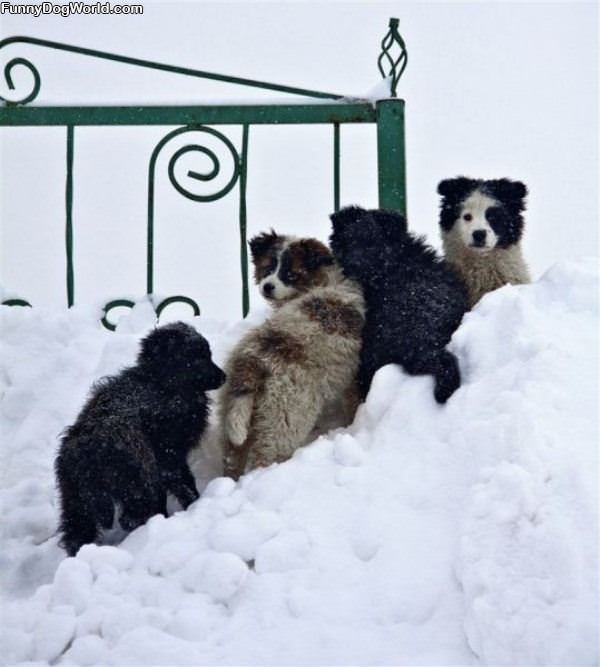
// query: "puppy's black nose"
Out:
[479,237]
[268,289]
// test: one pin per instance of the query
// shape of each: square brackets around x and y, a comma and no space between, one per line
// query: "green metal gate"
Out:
[388,114]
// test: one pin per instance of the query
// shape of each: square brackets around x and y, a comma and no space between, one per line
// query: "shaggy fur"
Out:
[285,374]
[482,224]
[128,447]
[414,302]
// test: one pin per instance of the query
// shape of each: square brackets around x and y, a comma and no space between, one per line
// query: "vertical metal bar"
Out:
[150,233]
[243,226]
[69,218]
[150,226]
[336,166]
[391,156]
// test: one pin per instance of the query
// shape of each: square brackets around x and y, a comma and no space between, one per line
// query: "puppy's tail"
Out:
[245,379]
[237,420]
[237,434]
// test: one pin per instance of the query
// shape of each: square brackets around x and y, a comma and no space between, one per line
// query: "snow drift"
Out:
[463,534]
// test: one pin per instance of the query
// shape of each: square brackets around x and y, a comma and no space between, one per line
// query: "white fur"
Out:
[483,272]
[475,206]
[282,292]
[238,419]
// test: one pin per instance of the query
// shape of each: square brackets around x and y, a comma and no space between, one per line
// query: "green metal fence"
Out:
[331,109]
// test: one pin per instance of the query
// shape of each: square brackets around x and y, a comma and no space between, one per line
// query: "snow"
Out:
[463,534]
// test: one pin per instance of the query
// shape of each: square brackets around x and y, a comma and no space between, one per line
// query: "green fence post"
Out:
[391,157]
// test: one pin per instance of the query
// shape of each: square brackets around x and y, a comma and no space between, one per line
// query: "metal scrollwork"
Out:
[16,302]
[117,303]
[178,299]
[213,172]
[208,176]
[158,308]
[8,68]
[136,62]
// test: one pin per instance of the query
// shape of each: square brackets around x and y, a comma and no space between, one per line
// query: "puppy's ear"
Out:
[456,188]
[261,244]
[346,215]
[507,191]
[314,254]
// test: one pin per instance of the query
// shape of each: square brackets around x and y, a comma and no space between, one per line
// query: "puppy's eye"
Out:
[467,217]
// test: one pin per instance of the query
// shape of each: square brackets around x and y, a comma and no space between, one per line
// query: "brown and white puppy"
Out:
[482,225]
[285,374]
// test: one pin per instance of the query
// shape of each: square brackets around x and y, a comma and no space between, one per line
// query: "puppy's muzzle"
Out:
[216,377]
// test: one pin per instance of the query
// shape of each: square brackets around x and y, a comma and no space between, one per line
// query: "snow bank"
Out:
[463,534]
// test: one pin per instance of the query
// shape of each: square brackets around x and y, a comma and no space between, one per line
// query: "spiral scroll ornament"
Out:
[8,77]
[215,170]
[214,142]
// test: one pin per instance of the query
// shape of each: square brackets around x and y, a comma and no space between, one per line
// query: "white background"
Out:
[491,89]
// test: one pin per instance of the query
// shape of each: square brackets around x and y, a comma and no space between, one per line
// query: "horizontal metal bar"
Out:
[182,115]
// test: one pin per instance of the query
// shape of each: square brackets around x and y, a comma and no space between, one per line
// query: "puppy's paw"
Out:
[443,391]
[447,377]
[186,495]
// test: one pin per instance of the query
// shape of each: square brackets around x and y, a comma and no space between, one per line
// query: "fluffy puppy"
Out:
[284,373]
[128,446]
[414,302]
[482,224]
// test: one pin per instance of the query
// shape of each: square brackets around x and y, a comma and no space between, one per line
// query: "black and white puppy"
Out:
[128,446]
[482,225]
[414,302]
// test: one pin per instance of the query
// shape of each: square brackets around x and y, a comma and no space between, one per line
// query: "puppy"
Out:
[482,224]
[414,302]
[283,374]
[127,449]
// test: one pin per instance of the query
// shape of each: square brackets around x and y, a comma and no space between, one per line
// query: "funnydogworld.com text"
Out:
[66,9]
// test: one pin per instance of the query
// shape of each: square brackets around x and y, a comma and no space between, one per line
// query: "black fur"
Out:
[505,219]
[129,444]
[414,302]
[262,243]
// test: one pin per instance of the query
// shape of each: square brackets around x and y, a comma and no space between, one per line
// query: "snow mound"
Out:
[462,534]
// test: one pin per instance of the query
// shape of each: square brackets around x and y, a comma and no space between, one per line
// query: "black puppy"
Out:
[414,302]
[128,447]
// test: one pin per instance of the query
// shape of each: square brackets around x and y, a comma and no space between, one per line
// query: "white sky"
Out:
[492,89]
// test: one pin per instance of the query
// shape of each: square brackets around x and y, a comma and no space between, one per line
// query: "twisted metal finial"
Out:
[396,65]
